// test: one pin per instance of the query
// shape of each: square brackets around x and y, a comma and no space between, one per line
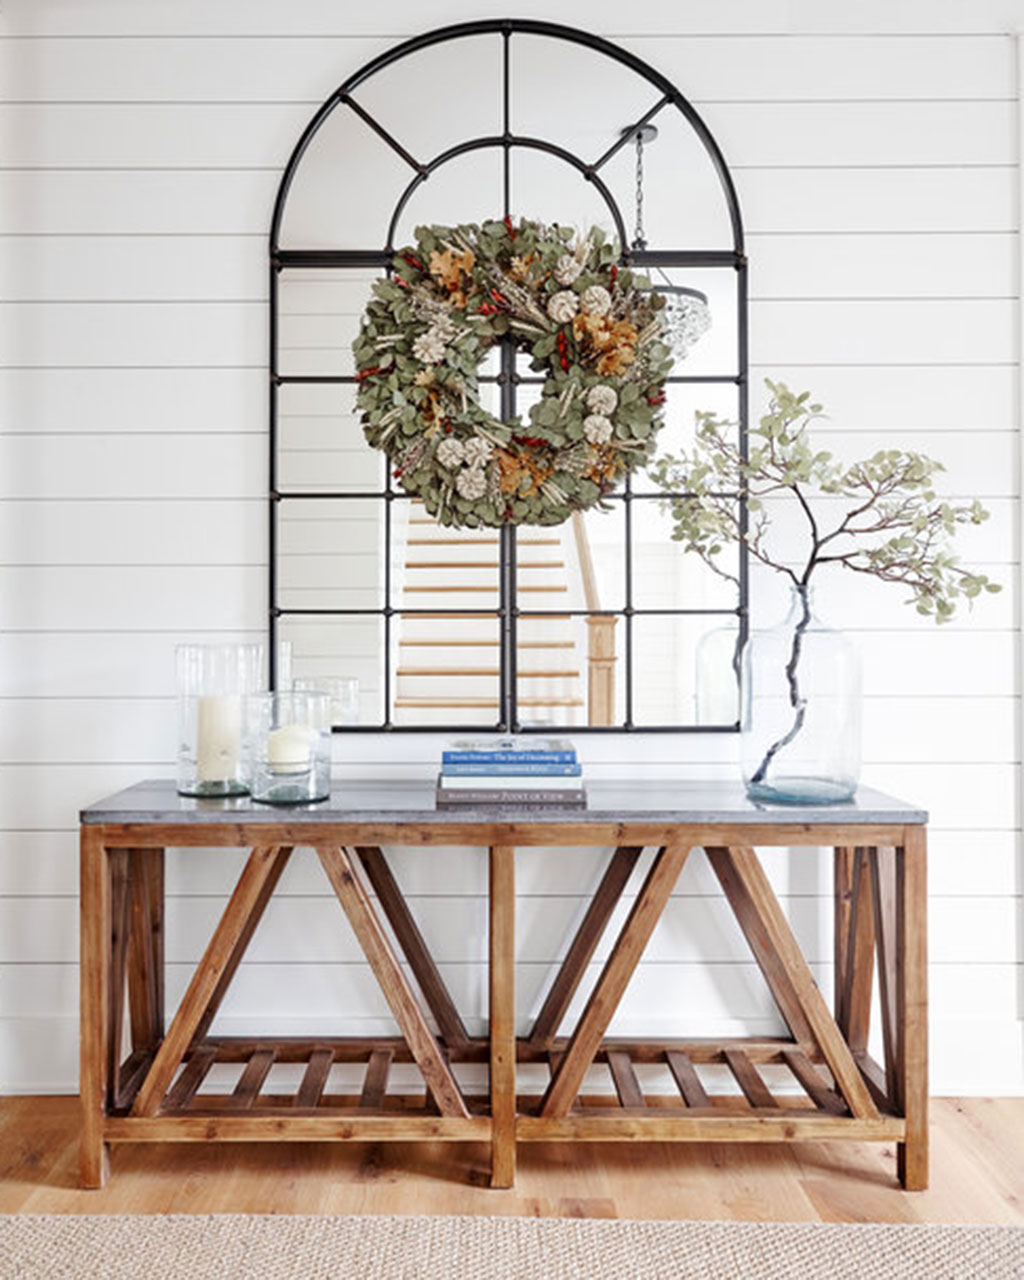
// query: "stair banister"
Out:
[600,636]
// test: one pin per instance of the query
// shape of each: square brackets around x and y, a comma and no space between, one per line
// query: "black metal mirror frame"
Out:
[508,379]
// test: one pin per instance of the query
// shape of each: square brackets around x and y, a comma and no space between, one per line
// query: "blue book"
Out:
[510,751]
[509,769]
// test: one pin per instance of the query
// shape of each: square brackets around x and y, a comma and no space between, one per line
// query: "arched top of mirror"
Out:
[541,116]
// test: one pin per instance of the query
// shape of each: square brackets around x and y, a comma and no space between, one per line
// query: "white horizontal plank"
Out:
[822,67]
[920,398]
[263,18]
[860,602]
[153,334]
[184,69]
[970,796]
[68,531]
[960,729]
[673,998]
[795,201]
[132,598]
[711,68]
[148,135]
[132,268]
[123,202]
[939,662]
[261,135]
[882,266]
[889,332]
[97,664]
[776,202]
[209,466]
[45,864]
[863,133]
[90,731]
[294,930]
[133,400]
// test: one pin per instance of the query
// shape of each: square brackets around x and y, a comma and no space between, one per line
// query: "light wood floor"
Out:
[977,1175]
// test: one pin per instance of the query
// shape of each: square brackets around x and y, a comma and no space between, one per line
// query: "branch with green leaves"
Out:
[892,525]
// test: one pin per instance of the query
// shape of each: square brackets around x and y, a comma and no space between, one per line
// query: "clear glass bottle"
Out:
[214,682]
[291,747]
[800,729]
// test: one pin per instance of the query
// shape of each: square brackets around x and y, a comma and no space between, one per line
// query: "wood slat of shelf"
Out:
[375,1082]
[754,1088]
[314,1078]
[813,1085]
[188,1083]
[687,1079]
[251,1080]
[627,1086]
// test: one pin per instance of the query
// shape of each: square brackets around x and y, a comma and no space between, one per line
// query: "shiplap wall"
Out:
[874,150]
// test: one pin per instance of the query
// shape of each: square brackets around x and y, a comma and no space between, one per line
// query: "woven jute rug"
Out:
[285,1247]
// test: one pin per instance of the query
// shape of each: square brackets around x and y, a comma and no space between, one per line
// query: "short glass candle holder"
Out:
[291,747]
[214,683]
[342,690]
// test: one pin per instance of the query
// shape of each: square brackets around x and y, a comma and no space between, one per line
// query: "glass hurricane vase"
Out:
[801,710]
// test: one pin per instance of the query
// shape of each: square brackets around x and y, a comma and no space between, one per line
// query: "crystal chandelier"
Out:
[686,315]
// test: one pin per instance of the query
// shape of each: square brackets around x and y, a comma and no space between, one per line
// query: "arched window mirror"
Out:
[603,624]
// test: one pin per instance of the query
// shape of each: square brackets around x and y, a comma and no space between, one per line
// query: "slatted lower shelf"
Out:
[251,1111]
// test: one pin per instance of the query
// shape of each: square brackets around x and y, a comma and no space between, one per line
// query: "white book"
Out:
[496,782]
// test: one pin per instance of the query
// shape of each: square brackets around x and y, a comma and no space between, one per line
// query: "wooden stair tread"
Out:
[458,589]
[488,644]
[488,671]
[479,542]
[482,564]
[429,702]
[482,616]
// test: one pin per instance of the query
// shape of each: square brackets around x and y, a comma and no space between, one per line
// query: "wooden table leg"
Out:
[95,941]
[912,1007]
[502,1016]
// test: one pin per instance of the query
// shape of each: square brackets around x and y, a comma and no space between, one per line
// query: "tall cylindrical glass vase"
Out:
[801,711]
[214,683]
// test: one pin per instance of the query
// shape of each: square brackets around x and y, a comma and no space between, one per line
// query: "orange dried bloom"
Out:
[449,267]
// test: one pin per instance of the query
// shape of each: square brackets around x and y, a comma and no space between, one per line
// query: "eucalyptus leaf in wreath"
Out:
[592,328]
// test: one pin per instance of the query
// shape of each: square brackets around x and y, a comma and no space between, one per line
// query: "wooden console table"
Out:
[154,1090]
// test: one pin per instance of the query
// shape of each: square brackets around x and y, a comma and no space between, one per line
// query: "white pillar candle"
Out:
[218,737]
[290,748]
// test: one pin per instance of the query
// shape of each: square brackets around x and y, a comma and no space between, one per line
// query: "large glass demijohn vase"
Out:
[800,726]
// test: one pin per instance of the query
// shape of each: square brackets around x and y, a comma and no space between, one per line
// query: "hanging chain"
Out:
[639,242]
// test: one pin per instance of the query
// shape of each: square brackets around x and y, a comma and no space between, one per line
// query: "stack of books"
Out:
[511,771]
